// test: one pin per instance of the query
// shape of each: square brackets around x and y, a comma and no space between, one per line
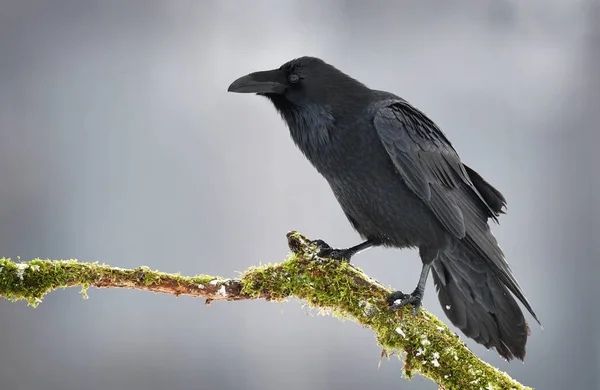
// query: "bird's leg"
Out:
[398,299]
[342,254]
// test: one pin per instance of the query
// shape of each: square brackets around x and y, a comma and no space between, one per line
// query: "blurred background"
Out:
[120,144]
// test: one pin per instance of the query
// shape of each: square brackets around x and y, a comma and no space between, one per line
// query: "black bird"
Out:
[401,184]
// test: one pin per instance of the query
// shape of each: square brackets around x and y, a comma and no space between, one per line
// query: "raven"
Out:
[401,184]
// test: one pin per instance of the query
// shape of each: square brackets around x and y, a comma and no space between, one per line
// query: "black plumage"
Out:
[401,184]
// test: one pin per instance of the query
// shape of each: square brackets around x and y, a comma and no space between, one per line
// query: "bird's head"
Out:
[302,82]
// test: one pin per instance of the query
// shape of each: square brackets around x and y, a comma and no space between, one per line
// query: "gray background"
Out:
[119,144]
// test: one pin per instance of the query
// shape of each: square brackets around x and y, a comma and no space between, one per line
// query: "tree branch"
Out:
[429,347]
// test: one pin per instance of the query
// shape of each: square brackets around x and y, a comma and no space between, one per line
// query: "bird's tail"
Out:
[478,303]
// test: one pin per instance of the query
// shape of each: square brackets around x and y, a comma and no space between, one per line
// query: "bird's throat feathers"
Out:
[310,126]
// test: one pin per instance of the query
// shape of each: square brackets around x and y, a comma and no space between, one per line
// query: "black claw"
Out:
[326,251]
[321,244]
[335,254]
[398,299]
[395,296]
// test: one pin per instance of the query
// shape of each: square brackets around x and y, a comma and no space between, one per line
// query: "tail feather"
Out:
[491,195]
[478,304]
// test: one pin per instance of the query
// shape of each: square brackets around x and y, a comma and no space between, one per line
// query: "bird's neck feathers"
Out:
[318,129]
[310,127]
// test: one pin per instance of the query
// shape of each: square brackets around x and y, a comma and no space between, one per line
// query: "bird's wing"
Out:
[427,162]
[431,168]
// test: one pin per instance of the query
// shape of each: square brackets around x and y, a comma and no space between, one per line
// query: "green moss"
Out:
[150,277]
[203,279]
[31,280]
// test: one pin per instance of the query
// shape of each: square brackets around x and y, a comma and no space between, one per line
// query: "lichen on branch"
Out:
[427,345]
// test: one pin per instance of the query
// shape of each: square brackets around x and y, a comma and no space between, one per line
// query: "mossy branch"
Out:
[428,346]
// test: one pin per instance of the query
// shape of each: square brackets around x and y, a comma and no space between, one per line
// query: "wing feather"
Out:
[432,169]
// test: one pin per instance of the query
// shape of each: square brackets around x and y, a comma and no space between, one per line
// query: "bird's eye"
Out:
[293,78]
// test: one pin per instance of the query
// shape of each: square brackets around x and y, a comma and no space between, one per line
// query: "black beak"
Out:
[268,81]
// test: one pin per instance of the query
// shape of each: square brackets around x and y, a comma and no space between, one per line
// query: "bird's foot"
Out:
[398,299]
[325,250]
